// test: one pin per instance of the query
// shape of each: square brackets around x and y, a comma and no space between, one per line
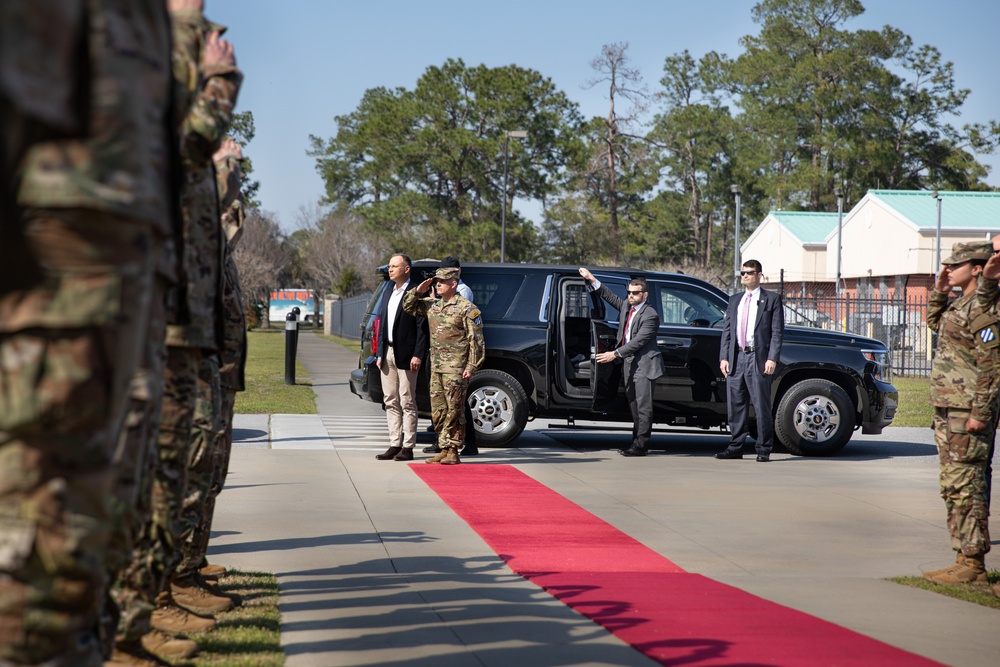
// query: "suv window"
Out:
[689,306]
[620,288]
[493,292]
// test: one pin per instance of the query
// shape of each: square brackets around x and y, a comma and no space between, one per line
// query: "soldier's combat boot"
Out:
[934,573]
[451,457]
[173,620]
[971,571]
[439,458]
[210,571]
[163,645]
[133,655]
[187,593]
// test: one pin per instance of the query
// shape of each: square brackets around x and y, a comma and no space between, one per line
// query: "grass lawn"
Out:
[914,402]
[248,635]
[975,593]
[266,391]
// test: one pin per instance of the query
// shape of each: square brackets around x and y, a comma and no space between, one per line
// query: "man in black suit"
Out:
[402,343]
[751,345]
[637,350]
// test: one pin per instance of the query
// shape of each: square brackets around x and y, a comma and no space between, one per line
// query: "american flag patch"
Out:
[987,334]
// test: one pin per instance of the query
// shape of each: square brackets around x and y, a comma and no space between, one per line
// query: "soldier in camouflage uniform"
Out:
[457,351]
[964,390]
[988,294]
[95,202]
[187,436]
[234,343]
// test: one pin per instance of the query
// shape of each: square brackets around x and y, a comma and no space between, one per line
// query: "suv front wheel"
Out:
[814,418]
[499,407]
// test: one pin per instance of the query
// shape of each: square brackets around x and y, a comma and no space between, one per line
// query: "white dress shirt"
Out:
[394,298]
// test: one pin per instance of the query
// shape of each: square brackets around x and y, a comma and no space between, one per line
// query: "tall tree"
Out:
[261,258]
[425,167]
[243,131]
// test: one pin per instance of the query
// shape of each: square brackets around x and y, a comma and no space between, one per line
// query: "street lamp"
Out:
[838,193]
[937,238]
[516,134]
[735,189]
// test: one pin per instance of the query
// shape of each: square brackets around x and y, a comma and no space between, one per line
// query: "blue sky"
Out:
[306,61]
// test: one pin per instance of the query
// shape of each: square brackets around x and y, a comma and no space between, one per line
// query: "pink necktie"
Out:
[744,320]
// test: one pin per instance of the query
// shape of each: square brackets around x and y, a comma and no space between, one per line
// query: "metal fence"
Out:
[344,316]
[900,323]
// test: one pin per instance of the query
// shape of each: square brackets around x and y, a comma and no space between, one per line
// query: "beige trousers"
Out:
[399,386]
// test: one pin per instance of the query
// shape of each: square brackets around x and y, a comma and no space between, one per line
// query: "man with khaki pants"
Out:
[402,344]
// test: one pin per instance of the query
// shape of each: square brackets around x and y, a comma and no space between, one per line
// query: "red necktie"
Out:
[628,320]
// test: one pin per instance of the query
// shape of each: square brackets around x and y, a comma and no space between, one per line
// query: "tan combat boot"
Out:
[451,457]
[133,655]
[171,619]
[209,571]
[439,458]
[971,571]
[188,593]
[929,576]
[163,645]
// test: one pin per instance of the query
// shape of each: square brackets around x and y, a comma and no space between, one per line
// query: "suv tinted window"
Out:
[493,292]
[620,288]
[689,306]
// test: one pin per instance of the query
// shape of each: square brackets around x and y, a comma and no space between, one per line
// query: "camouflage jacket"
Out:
[964,374]
[122,160]
[199,322]
[234,328]
[456,332]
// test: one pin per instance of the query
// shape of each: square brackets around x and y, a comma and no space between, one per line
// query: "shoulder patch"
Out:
[989,337]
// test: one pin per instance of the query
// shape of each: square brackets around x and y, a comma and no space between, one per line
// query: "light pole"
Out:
[840,246]
[735,189]
[937,237]
[516,134]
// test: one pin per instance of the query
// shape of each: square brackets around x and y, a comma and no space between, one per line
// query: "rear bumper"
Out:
[366,383]
[883,399]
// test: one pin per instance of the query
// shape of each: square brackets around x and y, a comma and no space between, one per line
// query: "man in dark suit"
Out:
[751,345]
[402,343]
[637,350]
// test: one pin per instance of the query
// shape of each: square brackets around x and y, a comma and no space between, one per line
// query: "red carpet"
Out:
[673,617]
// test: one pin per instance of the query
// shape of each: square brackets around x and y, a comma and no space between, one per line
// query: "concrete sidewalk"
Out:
[374,569]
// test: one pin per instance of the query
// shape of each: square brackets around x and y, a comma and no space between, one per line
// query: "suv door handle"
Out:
[673,342]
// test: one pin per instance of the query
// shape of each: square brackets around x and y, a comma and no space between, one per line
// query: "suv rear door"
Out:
[606,379]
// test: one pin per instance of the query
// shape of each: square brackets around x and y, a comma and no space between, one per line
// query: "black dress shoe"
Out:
[763,458]
[433,449]
[632,451]
[389,453]
[405,454]
[730,454]
[470,450]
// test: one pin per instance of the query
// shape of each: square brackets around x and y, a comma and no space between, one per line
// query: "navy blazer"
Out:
[409,333]
[768,329]
[640,354]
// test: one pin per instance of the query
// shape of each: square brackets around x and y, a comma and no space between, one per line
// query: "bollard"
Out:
[291,343]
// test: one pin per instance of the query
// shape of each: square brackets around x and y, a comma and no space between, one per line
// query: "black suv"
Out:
[542,328]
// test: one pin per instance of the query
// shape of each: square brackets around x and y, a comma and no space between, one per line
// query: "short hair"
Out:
[406,259]
[754,264]
[639,282]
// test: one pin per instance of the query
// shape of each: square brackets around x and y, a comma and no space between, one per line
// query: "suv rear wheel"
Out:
[499,407]
[815,418]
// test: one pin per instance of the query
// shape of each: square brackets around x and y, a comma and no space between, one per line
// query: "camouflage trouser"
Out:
[68,349]
[223,448]
[133,590]
[202,463]
[963,479]
[448,407]
[159,552]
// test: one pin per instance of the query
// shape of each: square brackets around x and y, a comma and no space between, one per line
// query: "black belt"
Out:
[748,350]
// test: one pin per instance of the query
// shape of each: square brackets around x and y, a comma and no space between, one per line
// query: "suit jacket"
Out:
[768,329]
[409,333]
[641,354]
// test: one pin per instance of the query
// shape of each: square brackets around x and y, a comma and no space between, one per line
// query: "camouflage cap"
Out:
[446,274]
[963,252]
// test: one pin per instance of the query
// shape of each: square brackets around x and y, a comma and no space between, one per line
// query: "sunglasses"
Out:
[636,291]
[747,273]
